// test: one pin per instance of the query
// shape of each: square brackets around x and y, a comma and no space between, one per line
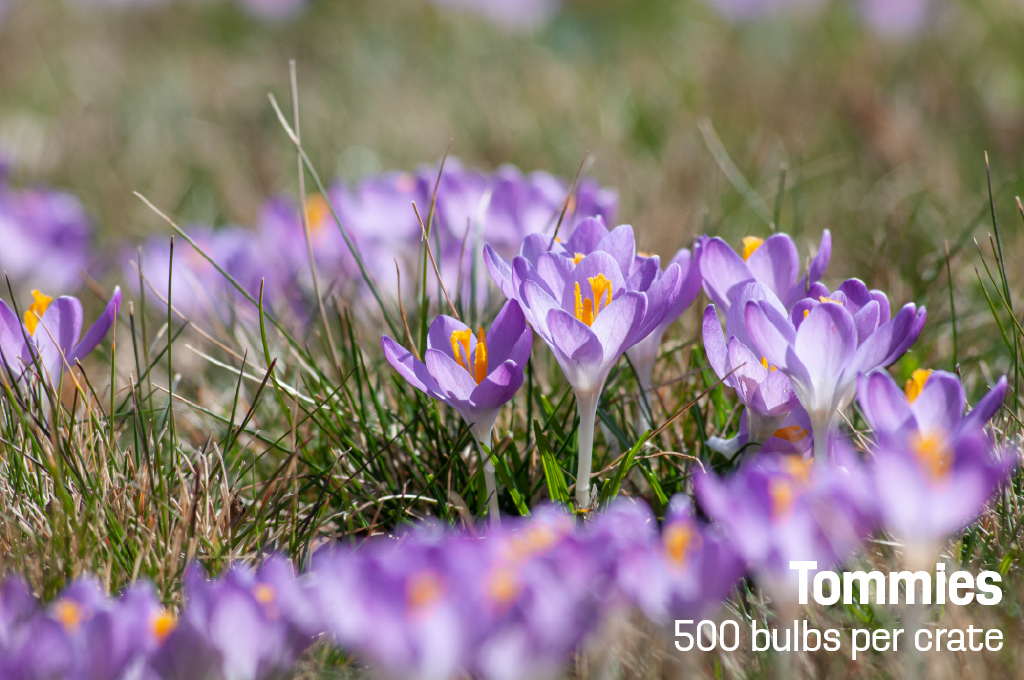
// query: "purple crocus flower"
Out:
[474,377]
[682,573]
[590,299]
[782,508]
[51,332]
[403,603]
[766,392]
[895,17]
[542,588]
[645,352]
[934,469]
[773,261]
[246,626]
[86,636]
[826,345]
[46,238]
[513,14]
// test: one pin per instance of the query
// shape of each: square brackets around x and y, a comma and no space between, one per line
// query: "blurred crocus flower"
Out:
[543,587]
[773,261]
[590,299]
[826,346]
[683,572]
[474,376]
[765,391]
[514,14]
[782,508]
[934,469]
[46,237]
[87,636]
[52,333]
[273,10]
[644,353]
[403,603]
[895,17]
[245,626]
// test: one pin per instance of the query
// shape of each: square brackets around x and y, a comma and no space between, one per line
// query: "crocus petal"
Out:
[714,341]
[856,292]
[724,272]
[987,407]
[556,271]
[57,333]
[574,341]
[644,274]
[884,404]
[885,312]
[776,264]
[747,371]
[13,348]
[772,336]
[498,387]
[661,297]
[941,402]
[505,332]
[454,381]
[586,237]
[825,344]
[775,396]
[735,324]
[617,325]
[99,328]
[890,340]
[538,303]
[501,272]
[415,372]
[621,245]
[866,320]
[805,287]
[689,265]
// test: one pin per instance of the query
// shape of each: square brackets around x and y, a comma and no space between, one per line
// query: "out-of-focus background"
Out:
[879,111]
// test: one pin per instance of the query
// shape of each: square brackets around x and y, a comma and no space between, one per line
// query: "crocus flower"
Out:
[87,636]
[645,352]
[826,345]
[514,14]
[590,299]
[46,237]
[242,626]
[934,469]
[895,17]
[543,587]
[474,377]
[683,572]
[765,392]
[51,332]
[778,508]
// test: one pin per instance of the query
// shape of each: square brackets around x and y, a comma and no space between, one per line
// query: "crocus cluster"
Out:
[887,17]
[512,603]
[266,10]
[472,208]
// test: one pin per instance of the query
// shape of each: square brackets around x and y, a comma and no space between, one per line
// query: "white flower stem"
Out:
[821,426]
[484,439]
[586,406]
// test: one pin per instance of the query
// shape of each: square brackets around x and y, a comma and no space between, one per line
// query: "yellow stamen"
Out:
[587,309]
[480,360]
[317,212]
[461,338]
[264,594]
[678,538]
[782,497]
[576,259]
[162,624]
[806,312]
[791,434]
[423,590]
[36,310]
[933,452]
[915,383]
[69,614]
[827,299]
[797,467]
[750,244]
[503,585]
[768,367]
[474,362]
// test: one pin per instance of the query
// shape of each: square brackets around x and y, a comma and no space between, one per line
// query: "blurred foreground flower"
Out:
[474,377]
[934,469]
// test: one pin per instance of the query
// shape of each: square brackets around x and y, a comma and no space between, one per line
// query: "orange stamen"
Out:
[915,383]
[750,244]
[36,310]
